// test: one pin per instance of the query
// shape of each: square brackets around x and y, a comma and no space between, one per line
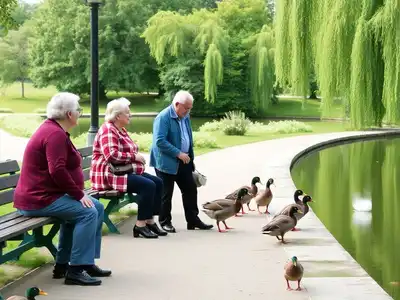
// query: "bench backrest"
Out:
[9,174]
[86,153]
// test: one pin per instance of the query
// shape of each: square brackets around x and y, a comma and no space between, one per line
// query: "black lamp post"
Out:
[94,83]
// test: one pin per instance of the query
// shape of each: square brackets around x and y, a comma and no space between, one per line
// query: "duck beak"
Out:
[295,263]
[299,211]
[42,293]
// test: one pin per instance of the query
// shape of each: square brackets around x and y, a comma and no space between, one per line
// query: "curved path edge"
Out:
[239,264]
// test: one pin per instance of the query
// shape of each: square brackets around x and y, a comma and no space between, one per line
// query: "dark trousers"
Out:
[185,182]
[149,188]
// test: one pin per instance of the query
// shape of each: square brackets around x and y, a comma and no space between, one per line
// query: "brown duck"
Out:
[222,209]
[293,272]
[253,190]
[264,197]
[281,224]
[300,204]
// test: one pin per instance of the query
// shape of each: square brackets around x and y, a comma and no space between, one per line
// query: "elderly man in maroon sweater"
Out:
[51,183]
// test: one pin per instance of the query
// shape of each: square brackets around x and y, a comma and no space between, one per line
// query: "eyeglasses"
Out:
[79,110]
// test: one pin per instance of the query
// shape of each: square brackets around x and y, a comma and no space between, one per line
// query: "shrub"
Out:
[280,127]
[6,110]
[20,125]
[235,123]
[211,126]
[204,140]
[80,141]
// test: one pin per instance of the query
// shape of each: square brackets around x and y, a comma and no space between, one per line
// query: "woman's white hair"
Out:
[115,107]
[182,97]
[60,104]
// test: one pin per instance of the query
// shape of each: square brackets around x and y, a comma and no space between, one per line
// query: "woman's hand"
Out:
[86,202]
[140,158]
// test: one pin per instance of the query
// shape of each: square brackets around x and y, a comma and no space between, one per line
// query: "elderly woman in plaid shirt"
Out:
[112,145]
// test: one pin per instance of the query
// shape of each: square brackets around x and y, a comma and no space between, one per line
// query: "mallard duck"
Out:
[253,190]
[293,272]
[301,204]
[264,197]
[31,294]
[222,209]
[281,224]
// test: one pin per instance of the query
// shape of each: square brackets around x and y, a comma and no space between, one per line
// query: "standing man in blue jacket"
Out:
[172,157]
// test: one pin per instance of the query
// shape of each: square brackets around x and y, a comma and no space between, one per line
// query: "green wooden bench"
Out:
[15,227]
[116,199]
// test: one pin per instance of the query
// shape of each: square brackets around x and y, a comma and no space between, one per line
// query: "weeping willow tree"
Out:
[352,45]
[212,37]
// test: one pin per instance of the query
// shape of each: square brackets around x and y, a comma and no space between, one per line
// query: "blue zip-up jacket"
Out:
[166,143]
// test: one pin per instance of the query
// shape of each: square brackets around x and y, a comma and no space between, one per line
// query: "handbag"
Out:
[121,169]
[199,178]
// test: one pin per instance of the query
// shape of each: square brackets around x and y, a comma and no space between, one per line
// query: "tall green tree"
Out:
[353,47]
[6,10]
[14,57]
[231,46]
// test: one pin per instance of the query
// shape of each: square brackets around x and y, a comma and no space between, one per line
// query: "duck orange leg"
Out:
[295,229]
[266,211]
[248,206]
[298,285]
[226,226]
[243,213]
[288,285]
[219,229]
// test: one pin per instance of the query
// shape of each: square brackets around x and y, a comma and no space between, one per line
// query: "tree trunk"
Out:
[23,88]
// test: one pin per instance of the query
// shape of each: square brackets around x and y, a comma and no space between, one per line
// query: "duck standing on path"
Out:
[293,272]
[31,294]
[222,209]
[253,190]
[264,197]
[301,204]
[281,224]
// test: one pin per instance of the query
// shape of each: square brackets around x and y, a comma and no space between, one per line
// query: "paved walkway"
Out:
[11,147]
[240,264]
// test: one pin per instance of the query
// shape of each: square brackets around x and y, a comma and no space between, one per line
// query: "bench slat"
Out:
[12,222]
[86,162]
[7,182]
[23,227]
[6,197]
[9,216]
[86,151]
[7,167]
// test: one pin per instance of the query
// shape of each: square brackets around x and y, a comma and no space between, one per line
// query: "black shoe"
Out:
[80,278]
[154,228]
[59,271]
[168,228]
[144,231]
[95,271]
[200,225]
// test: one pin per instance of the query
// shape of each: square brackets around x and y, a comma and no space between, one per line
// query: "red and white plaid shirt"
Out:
[112,145]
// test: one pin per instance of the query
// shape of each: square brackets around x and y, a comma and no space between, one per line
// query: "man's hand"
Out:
[140,158]
[86,202]
[184,157]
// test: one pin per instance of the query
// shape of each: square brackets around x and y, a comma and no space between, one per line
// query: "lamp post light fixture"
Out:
[94,55]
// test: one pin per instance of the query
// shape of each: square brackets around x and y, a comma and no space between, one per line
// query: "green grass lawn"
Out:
[36,100]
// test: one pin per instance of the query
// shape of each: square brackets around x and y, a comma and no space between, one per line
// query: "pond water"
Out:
[357,194]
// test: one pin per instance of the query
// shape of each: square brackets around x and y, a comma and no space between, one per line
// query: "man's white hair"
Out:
[182,97]
[60,104]
[115,107]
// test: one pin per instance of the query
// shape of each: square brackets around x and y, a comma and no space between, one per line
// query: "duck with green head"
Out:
[31,294]
[253,190]
[222,209]
[293,272]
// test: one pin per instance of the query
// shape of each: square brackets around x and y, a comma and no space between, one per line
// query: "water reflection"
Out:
[357,198]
